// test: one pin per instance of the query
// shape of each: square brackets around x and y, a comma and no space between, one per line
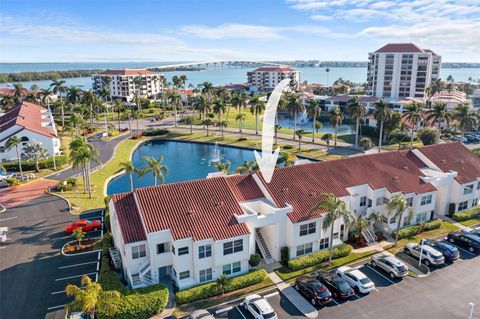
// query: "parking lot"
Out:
[445,293]
[33,271]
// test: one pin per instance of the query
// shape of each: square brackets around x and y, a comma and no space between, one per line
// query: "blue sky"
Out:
[187,30]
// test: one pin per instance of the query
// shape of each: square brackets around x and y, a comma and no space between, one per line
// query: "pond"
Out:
[185,161]
[285,120]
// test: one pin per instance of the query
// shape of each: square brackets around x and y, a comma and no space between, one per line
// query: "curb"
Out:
[66,200]
[2,208]
[77,254]
[412,266]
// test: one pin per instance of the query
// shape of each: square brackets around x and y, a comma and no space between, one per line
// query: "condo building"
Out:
[124,84]
[266,78]
[400,70]
[192,232]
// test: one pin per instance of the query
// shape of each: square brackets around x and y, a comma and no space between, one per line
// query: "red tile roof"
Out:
[399,47]
[244,187]
[7,91]
[454,157]
[274,69]
[199,209]
[127,72]
[128,218]
[27,116]
[301,186]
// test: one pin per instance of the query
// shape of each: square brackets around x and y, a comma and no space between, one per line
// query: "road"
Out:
[444,294]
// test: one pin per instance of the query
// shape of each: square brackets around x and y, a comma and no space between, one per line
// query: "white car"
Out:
[356,279]
[259,307]
[429,255]
[3,234]
[201,314]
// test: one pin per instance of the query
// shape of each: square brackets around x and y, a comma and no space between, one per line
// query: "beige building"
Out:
[266,78]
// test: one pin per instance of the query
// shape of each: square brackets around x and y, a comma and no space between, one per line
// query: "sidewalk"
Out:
[448,219]
[294,297]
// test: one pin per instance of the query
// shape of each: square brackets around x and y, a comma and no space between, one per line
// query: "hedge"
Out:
[42,164]
[467,214]
[319,257]
[416,229]
[210,289]
[155,132]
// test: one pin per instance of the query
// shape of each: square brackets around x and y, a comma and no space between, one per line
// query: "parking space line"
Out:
[58,292]
[220,311]
[371,268]
[275,293]
[9,218]
[336,302]
[71,277]
[98,266]
[55,307]
[76,265]
[241,313]
[98,256]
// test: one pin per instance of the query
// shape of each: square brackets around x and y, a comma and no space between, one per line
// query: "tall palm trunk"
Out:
[89,186]
[381,137]
[91,115]
[118,112]
[294,123]
[19,161]
[330,247]
[256,122]
[412,133]
[356,132]
[398,229]
[313,130]
[241,128]
[175,114]
[336,133]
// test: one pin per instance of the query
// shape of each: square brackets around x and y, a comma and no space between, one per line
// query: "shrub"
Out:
[366,143]
[240,139]
[319,257]
[155,132]
[12,181]
[254,260]
[112,133]
[467,214]
[42,164]
[429,135]
[284,256]
[66,185]
[209,290]
[416,229]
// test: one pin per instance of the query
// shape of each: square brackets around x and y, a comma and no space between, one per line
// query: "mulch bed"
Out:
[73,248]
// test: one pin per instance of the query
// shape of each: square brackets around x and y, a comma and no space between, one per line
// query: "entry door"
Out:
[342,232]
[164,271]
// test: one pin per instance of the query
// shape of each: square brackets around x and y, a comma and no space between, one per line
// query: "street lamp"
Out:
[421,253]
[472,307]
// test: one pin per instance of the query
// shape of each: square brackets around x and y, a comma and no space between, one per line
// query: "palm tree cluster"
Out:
[82,153]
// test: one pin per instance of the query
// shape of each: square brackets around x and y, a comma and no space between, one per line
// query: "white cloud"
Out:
[321,17]
[233,31]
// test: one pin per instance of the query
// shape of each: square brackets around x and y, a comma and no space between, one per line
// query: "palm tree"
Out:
[207,90]
[35,151]
[247,167]
[413,114]
[155,166]
[90,297]
[381,113]
[189,121]
[439,113]
[223,167]
[257,107]
[219,108]
[287,158]
[294,106]
[336,119]
[221,125]
[313,110]
[129,168]
[76,120]
[89,99]
[176,101]
[221,284]
[7,102]
[467,119]
[336,209]
[74,94]
[202,106]
[357,112]
[207,123]
[238,101]
[82,154]
[299,134]
[12,142]
[327,137]
[240,117]
[58,87]
[19,92]
[119,105]
[396,207]
[78,234]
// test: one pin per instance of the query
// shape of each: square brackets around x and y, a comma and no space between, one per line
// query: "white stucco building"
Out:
[399,70]
[29,122]
[192,232]
[266,78]
[122,83]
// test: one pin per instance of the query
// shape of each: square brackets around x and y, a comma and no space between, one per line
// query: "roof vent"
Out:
[312,194]
[190,212]
[221,203]
[284,189]
[405,168]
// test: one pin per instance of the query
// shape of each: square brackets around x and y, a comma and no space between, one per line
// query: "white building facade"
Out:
[29,122]
[402,70]
[192,232]
[266,78]
[124,84]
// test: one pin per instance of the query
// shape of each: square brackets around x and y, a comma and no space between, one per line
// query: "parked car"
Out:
[356,279]
[3,234]
[394,267]
[338,287]
[5,176]
[428,254]
[450,252]
[475,232]
[85,225]
[466,240]
[201,314]
[259,307]
[313,290]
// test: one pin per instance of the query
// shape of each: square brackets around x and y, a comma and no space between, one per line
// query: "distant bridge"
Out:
[214,64]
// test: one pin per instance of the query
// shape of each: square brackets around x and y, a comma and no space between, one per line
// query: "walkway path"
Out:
[294,297]
[18,195]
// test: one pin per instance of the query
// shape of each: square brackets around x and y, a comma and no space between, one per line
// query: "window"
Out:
[232,268]
[468,189]
[233,247]
[304,249]
[474,202]
[363,201]
[379,201]
[406,222]
[478,186]
[463,205]
[138,251]
[205,275]
[307,229]
[335,235]
[162,248]
[324,243]
[183,251]
[184,275]
[427,199]
[204,251]
[409,201]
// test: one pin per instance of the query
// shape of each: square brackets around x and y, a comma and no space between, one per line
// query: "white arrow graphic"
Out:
[267,161]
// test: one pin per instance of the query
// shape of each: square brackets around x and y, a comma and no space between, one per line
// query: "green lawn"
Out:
[471,222]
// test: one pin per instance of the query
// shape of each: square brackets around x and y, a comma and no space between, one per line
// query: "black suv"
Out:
[313,290]
[338,286]
[467,240]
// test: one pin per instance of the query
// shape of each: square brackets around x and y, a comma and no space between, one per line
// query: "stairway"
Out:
[143,278]
[369,235]
[263,247]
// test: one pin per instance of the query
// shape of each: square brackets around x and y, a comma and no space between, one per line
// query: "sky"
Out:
[213,30]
